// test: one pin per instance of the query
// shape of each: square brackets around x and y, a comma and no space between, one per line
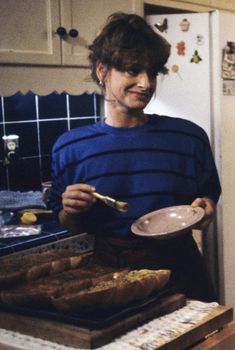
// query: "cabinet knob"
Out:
[61,31]
[73,33]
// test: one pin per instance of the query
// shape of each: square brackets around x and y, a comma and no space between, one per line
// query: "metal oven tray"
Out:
[91,320]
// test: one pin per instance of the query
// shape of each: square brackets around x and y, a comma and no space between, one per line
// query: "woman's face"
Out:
[130,90]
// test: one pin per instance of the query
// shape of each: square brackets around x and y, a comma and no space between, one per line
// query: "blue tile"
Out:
[51,232]
[82,105]
[30,242]
[98,101]
[5,249]
[1,119]
[28,138]
[1,142]
[3,177]
[46,167]
[76,123]
[52,106]
[49,132]
[53,226]
[24,175]
[20,107]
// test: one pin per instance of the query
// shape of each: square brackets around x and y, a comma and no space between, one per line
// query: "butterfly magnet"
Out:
[162,27]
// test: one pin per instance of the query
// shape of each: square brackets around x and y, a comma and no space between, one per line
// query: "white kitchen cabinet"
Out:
[28,29]
[27,32]
[88,17]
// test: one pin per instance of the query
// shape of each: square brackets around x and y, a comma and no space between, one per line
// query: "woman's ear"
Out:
[101,70]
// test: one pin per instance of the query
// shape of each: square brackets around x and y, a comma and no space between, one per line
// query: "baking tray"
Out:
[92,320]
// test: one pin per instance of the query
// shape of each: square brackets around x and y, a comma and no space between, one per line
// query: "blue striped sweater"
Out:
[168,161]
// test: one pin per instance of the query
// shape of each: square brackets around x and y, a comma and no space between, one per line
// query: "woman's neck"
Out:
[123,120]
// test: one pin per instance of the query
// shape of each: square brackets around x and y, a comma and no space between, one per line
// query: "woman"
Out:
[149,161]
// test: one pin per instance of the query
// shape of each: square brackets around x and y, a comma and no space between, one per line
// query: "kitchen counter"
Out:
[51,231]
[178,330]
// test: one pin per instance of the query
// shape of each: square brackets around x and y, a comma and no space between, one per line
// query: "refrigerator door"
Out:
[185,91]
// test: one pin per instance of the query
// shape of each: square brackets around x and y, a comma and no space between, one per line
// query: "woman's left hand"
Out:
[209,206]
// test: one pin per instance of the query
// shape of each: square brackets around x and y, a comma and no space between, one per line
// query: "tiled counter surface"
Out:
[51,232]
[149,336]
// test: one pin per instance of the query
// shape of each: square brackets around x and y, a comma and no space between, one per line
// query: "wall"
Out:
[39,120]
[227,33]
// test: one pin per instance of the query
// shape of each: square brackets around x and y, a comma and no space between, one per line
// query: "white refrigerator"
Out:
[192,90]
[186,90]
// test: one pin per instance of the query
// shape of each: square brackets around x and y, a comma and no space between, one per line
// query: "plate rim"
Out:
[174,232]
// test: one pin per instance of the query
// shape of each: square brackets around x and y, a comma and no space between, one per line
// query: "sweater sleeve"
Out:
[208,179]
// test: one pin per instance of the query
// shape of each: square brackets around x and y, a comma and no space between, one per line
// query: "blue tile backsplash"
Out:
[38,121]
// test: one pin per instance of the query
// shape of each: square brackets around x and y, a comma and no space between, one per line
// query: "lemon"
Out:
[28,218]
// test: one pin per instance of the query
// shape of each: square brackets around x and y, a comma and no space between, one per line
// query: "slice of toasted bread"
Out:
[134,285]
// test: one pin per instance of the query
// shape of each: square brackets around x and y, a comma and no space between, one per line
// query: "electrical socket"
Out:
[11,148]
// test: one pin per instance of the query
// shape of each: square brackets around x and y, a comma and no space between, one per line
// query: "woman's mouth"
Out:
[141,95]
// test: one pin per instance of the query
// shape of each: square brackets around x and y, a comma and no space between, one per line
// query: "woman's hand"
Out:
[209,206]
[78,198]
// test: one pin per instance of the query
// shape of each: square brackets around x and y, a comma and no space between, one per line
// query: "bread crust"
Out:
[69,282]
[33,266]
[132,286]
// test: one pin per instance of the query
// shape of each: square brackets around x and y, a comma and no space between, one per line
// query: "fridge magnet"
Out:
[184,25]
[229,87]
[199,39]
[196,58]
[162,27]
[228,61]
[175,69]
[180,48]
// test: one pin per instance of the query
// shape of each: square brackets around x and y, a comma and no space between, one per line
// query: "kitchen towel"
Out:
[17,200]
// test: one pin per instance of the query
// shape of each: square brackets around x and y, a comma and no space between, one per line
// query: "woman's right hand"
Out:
[78,198]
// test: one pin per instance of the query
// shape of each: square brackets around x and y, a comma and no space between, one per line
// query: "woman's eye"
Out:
[133,71]
[153,76]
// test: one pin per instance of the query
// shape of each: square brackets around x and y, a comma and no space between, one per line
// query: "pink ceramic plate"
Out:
[167,222]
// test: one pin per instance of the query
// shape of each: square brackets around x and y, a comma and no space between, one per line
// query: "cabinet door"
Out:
[27,32]
[87,16]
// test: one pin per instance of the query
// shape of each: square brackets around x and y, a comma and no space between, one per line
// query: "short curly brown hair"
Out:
[126,41]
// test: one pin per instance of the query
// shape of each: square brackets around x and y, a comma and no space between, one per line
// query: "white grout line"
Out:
[4,132]
[95,108]
[3,115]
[48,120]
[68,111]
[38,135]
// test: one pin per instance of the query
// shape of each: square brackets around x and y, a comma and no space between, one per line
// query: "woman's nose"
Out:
[143,80]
